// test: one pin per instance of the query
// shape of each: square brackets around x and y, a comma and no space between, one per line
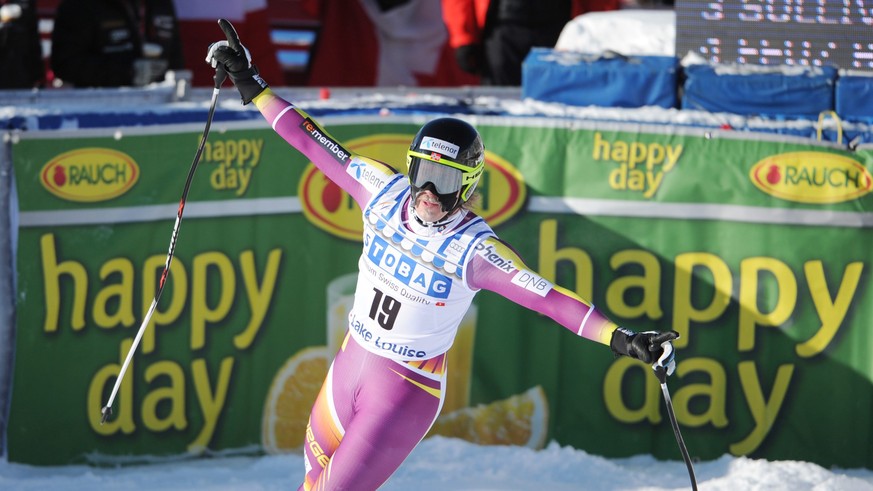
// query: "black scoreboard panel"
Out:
[778,32]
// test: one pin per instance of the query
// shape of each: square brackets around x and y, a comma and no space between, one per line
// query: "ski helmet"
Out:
[448,155]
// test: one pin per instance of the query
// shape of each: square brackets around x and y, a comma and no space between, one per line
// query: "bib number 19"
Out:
[384,310]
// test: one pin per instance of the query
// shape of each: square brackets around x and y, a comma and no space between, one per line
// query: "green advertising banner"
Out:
[755,249]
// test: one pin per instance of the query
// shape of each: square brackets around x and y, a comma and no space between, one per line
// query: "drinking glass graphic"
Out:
[341,296]
[460,360]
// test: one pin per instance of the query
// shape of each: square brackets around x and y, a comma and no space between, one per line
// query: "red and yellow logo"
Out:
[90,174]
[812,177]
[333,210]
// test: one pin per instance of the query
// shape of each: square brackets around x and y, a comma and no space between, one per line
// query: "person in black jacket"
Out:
[111,43]
[21,63]
[491,38]
[515,26]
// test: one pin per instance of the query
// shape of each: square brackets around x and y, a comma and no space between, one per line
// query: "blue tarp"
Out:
[796,93]
[607,80]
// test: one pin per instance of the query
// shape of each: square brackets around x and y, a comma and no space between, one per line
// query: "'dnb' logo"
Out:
[90,174]
[331,209]
[812,177]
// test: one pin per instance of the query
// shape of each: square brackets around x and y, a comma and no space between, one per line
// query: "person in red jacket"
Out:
[369,43]
[251,17]
[491,38]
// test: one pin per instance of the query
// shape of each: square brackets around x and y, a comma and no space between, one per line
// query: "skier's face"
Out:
[428,206]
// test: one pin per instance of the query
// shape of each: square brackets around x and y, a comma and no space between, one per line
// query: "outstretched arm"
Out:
[496,267]
[359,176]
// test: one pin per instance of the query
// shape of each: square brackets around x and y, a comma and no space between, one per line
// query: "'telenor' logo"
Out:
[440,146]
[812,177]
[90,174]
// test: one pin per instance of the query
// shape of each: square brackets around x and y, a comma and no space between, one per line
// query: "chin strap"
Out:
[455,206]
[439,223]
[424,228]
[450,214]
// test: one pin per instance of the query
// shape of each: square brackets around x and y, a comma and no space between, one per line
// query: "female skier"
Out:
[386,385]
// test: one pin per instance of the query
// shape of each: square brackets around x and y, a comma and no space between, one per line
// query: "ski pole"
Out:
[661,373]
[219,78]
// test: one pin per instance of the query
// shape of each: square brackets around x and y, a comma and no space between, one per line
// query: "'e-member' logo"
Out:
[315,132]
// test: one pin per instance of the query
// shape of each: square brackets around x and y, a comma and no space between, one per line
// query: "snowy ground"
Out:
[454,465]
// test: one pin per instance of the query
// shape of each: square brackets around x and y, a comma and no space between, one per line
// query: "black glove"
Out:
[237,62]
[469,58]
[648,346]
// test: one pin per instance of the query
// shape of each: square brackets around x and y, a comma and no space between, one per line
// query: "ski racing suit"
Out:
[385,387]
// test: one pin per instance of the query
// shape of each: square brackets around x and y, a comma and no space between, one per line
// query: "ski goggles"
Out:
[446,176]
[423,170]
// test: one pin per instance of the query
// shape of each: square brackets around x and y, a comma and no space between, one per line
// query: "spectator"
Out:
[395,43]
[111,43]
[491,38]
[197,21]
[21,64]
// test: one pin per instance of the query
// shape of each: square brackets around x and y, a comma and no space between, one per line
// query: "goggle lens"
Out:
[445,179]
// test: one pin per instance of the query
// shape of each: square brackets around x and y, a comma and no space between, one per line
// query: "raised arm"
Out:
[360,176]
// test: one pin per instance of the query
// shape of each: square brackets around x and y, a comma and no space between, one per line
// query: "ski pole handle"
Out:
[219,77]
[666,363]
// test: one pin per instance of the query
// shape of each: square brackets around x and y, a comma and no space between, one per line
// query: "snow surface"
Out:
[454,465]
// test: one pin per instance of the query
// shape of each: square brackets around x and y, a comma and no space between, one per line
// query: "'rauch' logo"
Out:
[90,174]
[331,209]
[812,177]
